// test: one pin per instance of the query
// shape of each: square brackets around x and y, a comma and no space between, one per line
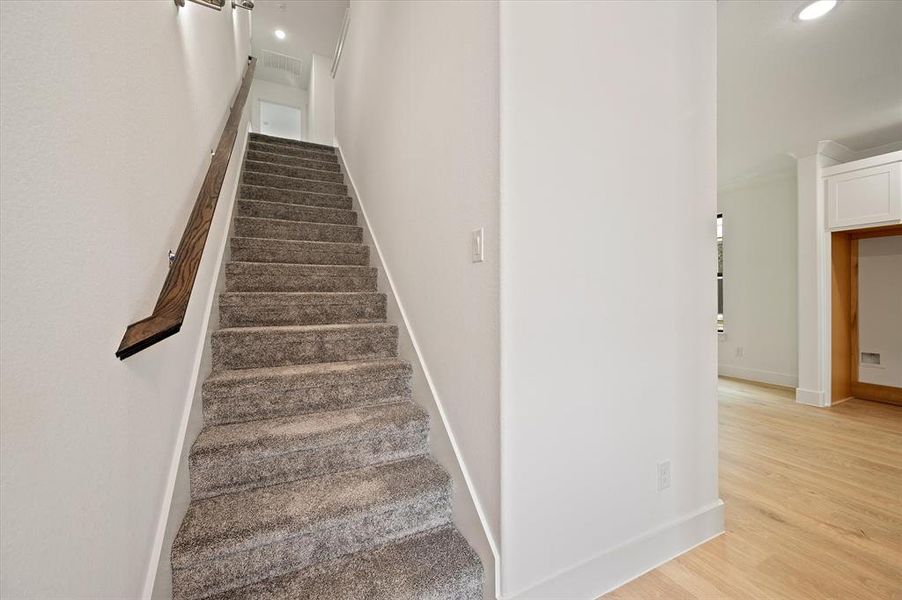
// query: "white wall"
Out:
[760,340]
[321,93]
[97,183]
[880,308]
[416,102]
[607,290]
[280,94]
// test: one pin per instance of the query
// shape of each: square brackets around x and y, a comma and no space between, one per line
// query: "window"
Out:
[720,273]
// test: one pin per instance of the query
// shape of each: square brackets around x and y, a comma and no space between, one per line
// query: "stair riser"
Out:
[293,152]
[293,230]
[224,474]
[252,349]
[282,159]
[284,398]
[285,142]
[270,194]
[254,314]
[290,171]
[292,183]
[278,251]
[295,212]
[359,532]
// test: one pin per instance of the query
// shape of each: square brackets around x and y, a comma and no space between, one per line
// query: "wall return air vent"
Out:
[870,358]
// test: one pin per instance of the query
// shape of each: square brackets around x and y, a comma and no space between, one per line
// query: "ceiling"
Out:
[783,85]
[312,26]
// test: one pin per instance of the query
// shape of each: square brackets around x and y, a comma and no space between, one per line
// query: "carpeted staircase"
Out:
[311,477]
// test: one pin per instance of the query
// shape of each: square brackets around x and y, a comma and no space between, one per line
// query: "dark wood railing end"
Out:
[172,303]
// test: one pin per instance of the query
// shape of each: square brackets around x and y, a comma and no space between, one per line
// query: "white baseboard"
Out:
[619,565]
[177,494]
[811,397]
[760,375]
[469,516]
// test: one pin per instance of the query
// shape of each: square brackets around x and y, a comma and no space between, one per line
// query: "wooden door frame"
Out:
[844,319]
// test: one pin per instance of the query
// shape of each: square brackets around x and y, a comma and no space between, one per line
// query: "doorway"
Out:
[866,314]
[280,120]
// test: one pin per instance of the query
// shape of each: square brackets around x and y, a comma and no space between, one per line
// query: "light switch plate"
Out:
[477,245]
[663,475]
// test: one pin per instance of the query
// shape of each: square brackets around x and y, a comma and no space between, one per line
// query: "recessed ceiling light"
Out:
[816,10]
[280,34]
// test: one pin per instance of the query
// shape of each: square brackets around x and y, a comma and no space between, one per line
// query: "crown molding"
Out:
[756,179]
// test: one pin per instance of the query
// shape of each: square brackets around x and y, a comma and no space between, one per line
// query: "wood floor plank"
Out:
[813,505]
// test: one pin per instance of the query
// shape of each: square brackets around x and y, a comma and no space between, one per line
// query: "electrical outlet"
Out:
[478,245]
[740,351]
[663,475]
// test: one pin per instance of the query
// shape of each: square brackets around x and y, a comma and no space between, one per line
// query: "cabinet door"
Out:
[865,197]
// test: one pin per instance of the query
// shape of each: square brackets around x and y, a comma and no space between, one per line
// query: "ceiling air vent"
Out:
[282,62]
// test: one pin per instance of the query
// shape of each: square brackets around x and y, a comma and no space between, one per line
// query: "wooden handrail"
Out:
[172,303]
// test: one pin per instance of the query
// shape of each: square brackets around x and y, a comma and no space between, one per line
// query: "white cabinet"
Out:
[864,193]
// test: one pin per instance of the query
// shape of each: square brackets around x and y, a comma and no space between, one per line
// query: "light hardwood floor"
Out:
[813,504]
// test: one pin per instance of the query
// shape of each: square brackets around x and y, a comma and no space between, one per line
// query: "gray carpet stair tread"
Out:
[272,346]
[347,247]
[298,161]
[300,269]
[249,309]
[227,298]
[293,171]
[235,522]
[285,229]
[271,139]
[307,298]
[245,441]
[292,277]
[335,330]
[272,194]
[322,373]
[253,177]
[288,211]
[434,565]
[248,394]
[278,146]
[233,457]
[291,151]
[245,249]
